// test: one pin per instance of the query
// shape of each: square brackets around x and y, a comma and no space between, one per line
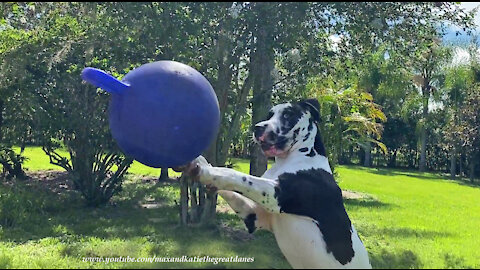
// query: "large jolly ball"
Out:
[163,114]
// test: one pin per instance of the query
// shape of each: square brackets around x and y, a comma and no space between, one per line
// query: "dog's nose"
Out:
[259,130]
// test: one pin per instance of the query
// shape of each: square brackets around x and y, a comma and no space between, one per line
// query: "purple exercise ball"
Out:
[163,114]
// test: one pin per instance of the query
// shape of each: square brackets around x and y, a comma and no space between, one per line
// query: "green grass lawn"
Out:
[414,220]
[37,160]
[406,220]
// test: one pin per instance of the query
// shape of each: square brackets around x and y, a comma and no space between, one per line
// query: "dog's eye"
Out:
[286,115]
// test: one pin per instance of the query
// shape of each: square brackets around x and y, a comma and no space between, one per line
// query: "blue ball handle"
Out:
[101,79]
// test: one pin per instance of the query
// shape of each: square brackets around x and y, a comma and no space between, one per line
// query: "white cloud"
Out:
[462,57]
[335,39]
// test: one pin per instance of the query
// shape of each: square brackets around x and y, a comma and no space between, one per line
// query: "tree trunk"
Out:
[472,168]
[423,150]
[341,158]
[368,155]
[453,162]
[460,164]
[226,62]
[392,163]
[163,175]
[350,154]
[183,200]
[211,153]
[361,155]
[423,136]
[222,87]
[1,118]
[234,125]
[262,62]
[204,206]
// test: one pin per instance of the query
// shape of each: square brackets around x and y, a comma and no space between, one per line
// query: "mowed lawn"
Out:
[415,220]
[38,160]
[405,219]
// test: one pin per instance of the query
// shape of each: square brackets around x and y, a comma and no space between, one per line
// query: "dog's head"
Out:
[289,127]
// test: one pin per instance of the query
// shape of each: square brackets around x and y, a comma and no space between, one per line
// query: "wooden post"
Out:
[194,205]
[163,175]
[202,202]
[183,200]
[208,213]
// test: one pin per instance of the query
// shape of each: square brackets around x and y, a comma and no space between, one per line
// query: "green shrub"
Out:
[11,163]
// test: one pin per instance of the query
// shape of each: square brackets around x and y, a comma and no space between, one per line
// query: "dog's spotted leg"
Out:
[260,190]
[254,216]
[241,205]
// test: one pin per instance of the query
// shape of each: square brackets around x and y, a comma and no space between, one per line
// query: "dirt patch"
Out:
[226,209]
[145,179]
[56,181]
[237,235]
[152,204]
[346,194]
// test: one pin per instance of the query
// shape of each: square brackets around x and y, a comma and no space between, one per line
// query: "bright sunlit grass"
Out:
[38,160]
[414,220]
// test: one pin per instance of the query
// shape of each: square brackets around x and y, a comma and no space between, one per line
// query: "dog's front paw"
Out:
[197,170]
[201,161]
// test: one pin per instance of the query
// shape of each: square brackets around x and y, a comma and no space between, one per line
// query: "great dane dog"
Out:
[297,198]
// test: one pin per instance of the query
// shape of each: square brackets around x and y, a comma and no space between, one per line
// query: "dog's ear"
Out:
[312,106]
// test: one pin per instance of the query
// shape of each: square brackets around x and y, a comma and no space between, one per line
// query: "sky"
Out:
[461,55]
[451,37]
[469,6]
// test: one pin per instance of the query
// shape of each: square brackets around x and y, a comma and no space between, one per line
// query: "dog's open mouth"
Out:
[271,149]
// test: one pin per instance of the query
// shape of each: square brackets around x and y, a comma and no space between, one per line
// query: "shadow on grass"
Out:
[468,184]
[124,217]
[396,172]
[370,203]
[455,262]
[415,174]
[125,227]
[405,259]
[410,233]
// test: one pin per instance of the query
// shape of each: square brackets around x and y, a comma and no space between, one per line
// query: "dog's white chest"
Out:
[294,233]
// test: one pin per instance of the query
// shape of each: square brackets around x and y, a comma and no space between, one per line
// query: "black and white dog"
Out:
[297,198]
